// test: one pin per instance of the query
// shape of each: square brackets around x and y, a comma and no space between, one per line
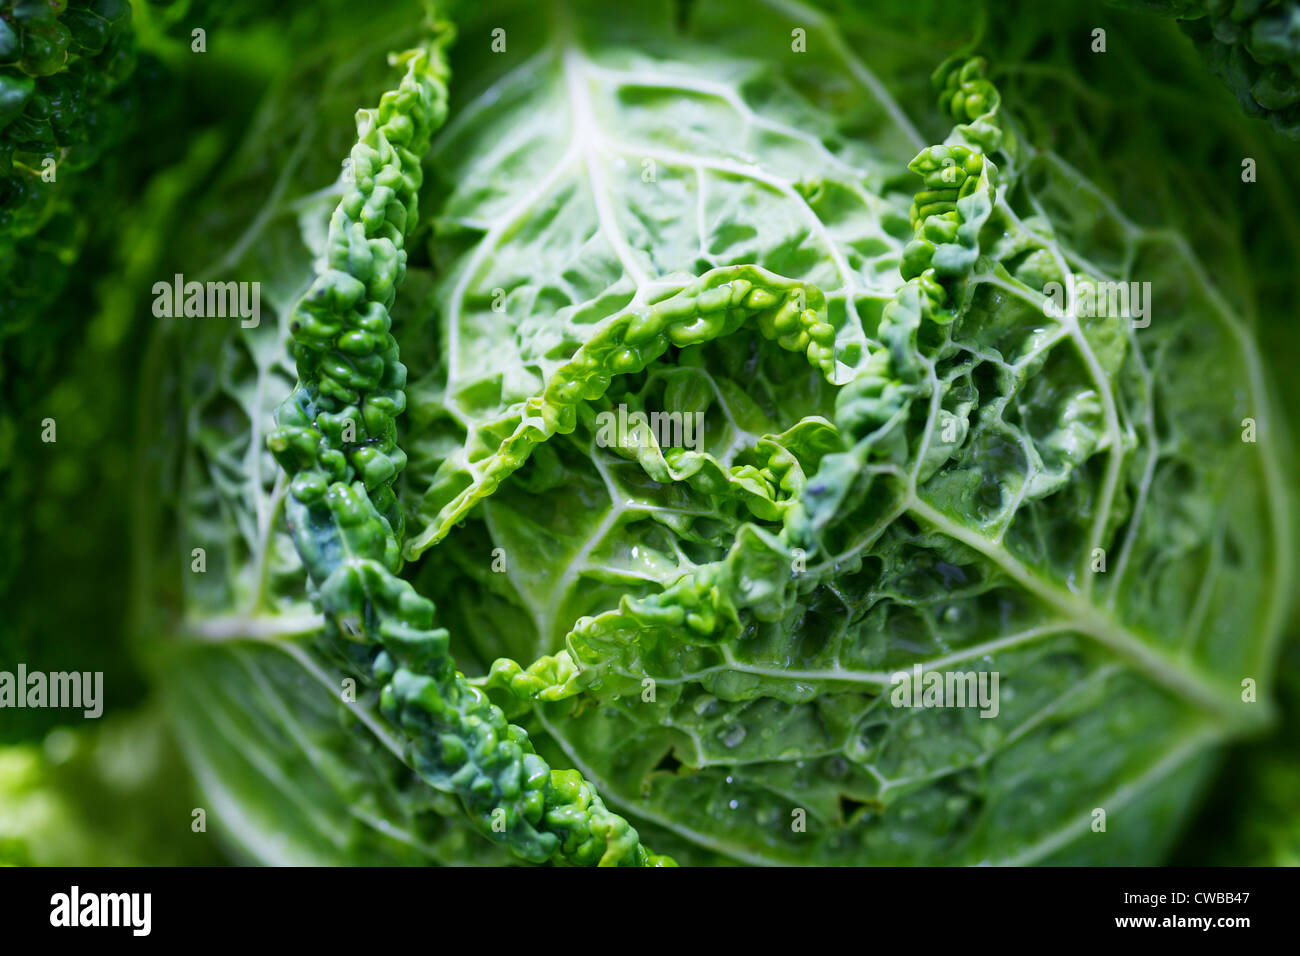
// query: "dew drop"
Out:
[734,735]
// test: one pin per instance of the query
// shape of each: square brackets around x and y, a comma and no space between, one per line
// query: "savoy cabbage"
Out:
[966,377]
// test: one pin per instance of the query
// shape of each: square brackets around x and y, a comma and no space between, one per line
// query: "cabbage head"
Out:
[659,389]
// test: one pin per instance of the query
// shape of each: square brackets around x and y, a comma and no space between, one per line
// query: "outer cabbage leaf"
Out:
[109,794]
[1253,47]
